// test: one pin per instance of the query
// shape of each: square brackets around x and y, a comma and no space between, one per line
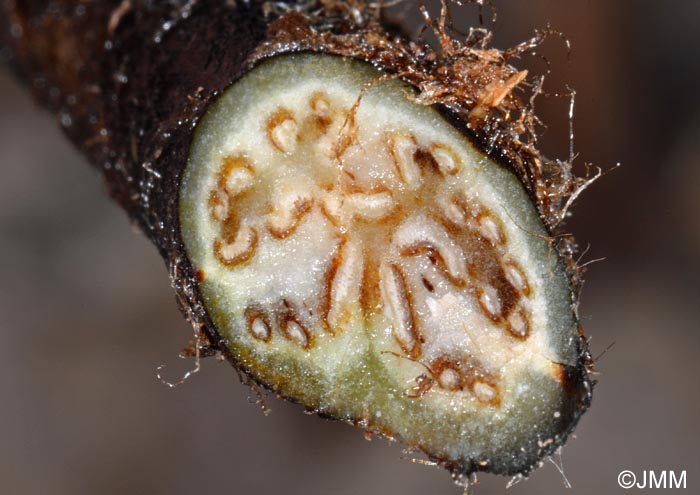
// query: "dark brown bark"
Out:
[128,82]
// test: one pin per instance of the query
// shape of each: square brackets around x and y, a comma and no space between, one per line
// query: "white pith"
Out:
[355,197]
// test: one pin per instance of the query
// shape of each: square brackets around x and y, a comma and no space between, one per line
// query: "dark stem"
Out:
[129,80]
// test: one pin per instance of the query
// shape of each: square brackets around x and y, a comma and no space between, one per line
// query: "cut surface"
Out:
[363,257]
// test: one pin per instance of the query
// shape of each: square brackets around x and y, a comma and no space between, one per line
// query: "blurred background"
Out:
[87,313]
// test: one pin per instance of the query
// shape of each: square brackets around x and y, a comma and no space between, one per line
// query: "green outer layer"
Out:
[508,442]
